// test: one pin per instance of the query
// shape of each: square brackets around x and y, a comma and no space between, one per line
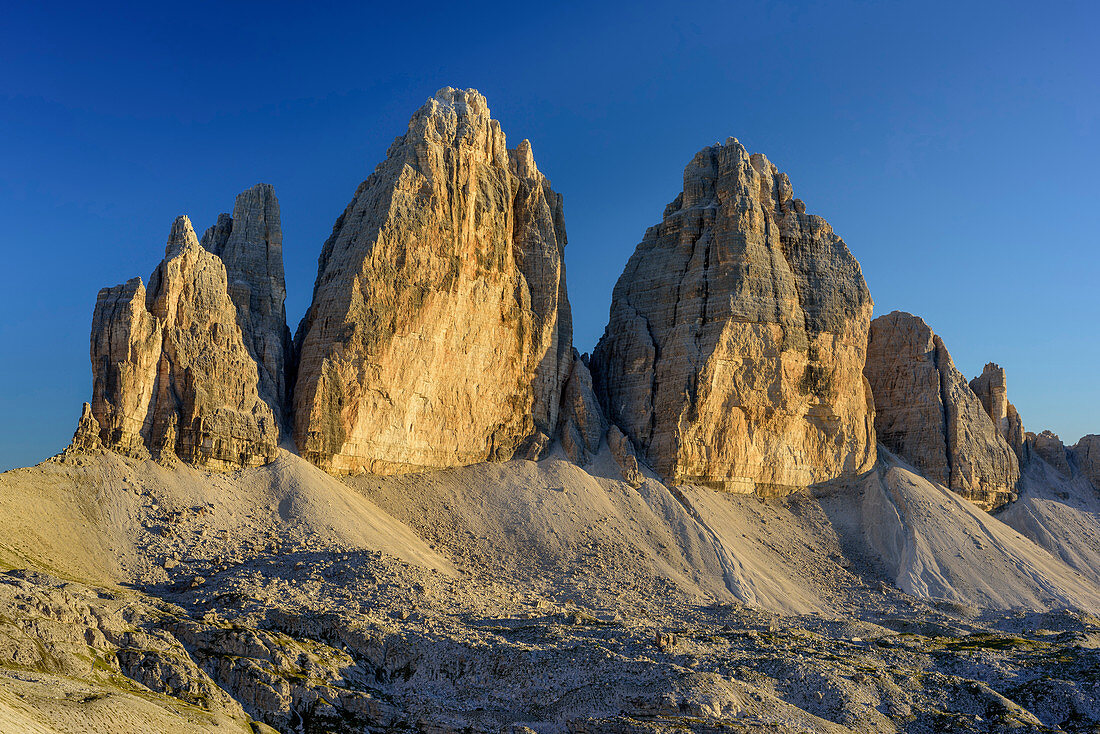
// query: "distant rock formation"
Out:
[734,353]
[1086,454]
[991,387]
[1048,447]
[173,373]
[581,424]
[250,245]
[440,332]
[926,413]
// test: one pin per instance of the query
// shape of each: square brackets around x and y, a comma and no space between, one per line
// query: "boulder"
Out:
[733,357]
[439,334]
[926,413]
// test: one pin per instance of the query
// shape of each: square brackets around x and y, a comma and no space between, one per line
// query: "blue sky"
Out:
[952,145]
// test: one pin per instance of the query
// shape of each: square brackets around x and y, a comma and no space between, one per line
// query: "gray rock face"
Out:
[172,371]
[1048,447]
[991,387]
[581,423]
[250,245]
[735,348]
[1086,453]
[926,413]
[439,333]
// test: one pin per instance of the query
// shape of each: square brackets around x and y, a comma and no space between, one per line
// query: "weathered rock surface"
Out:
[734,353]
[250,245]
[926,413]
[171,370]
[581,423]
[991,387]
[1048,447]
[1087,455]
[440,333]
[623,451]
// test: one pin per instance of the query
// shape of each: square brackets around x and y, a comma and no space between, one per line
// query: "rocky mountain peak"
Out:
[734,352]
[440,332]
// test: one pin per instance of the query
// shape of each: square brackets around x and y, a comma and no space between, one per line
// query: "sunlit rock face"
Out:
[991,387]
[250,245]
[439,333]
[926,412]
[735,348]
[172,374]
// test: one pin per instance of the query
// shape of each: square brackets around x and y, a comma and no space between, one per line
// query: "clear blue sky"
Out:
[953,146]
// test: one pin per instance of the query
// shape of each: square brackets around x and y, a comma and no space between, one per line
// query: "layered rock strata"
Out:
[991,387]
[734,352]
[581,424]
[1086,454]
[1048,447]
[172,372]
[439,333]
[926,413]
[250,245]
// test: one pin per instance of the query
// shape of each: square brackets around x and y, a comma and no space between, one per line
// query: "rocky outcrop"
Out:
[1048,447]
[581,423]
[250,245]
[439,333]
[172,374]
[623,452]
[734,353]
[926,413]
[1086,454]
[991,387]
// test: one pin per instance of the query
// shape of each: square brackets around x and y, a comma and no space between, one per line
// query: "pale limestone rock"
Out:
[926,413]
[1086,453]
[581,425]
[734,353]
[991,387]
[1048,447]
[623,451]
[87,431]
[250,244]
[171,372]
[440,332]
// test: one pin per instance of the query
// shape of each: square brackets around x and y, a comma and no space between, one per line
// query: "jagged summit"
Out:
[174,371]
[734,352]
[439,332]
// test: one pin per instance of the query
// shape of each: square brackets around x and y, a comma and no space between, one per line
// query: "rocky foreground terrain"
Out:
[753,508]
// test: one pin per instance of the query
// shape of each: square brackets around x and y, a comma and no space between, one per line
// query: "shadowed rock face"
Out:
[439,333]
[1087,455]
[172,370]
[250,245]
[735,348]
[1048,447]
[926,413]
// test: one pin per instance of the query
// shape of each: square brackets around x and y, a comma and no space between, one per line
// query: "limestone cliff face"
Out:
[172,373]
[735,348]
[439,333]
[1048,447]
[1086,453]
[250,245]
[991,387]
[926,413]
[581,425]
